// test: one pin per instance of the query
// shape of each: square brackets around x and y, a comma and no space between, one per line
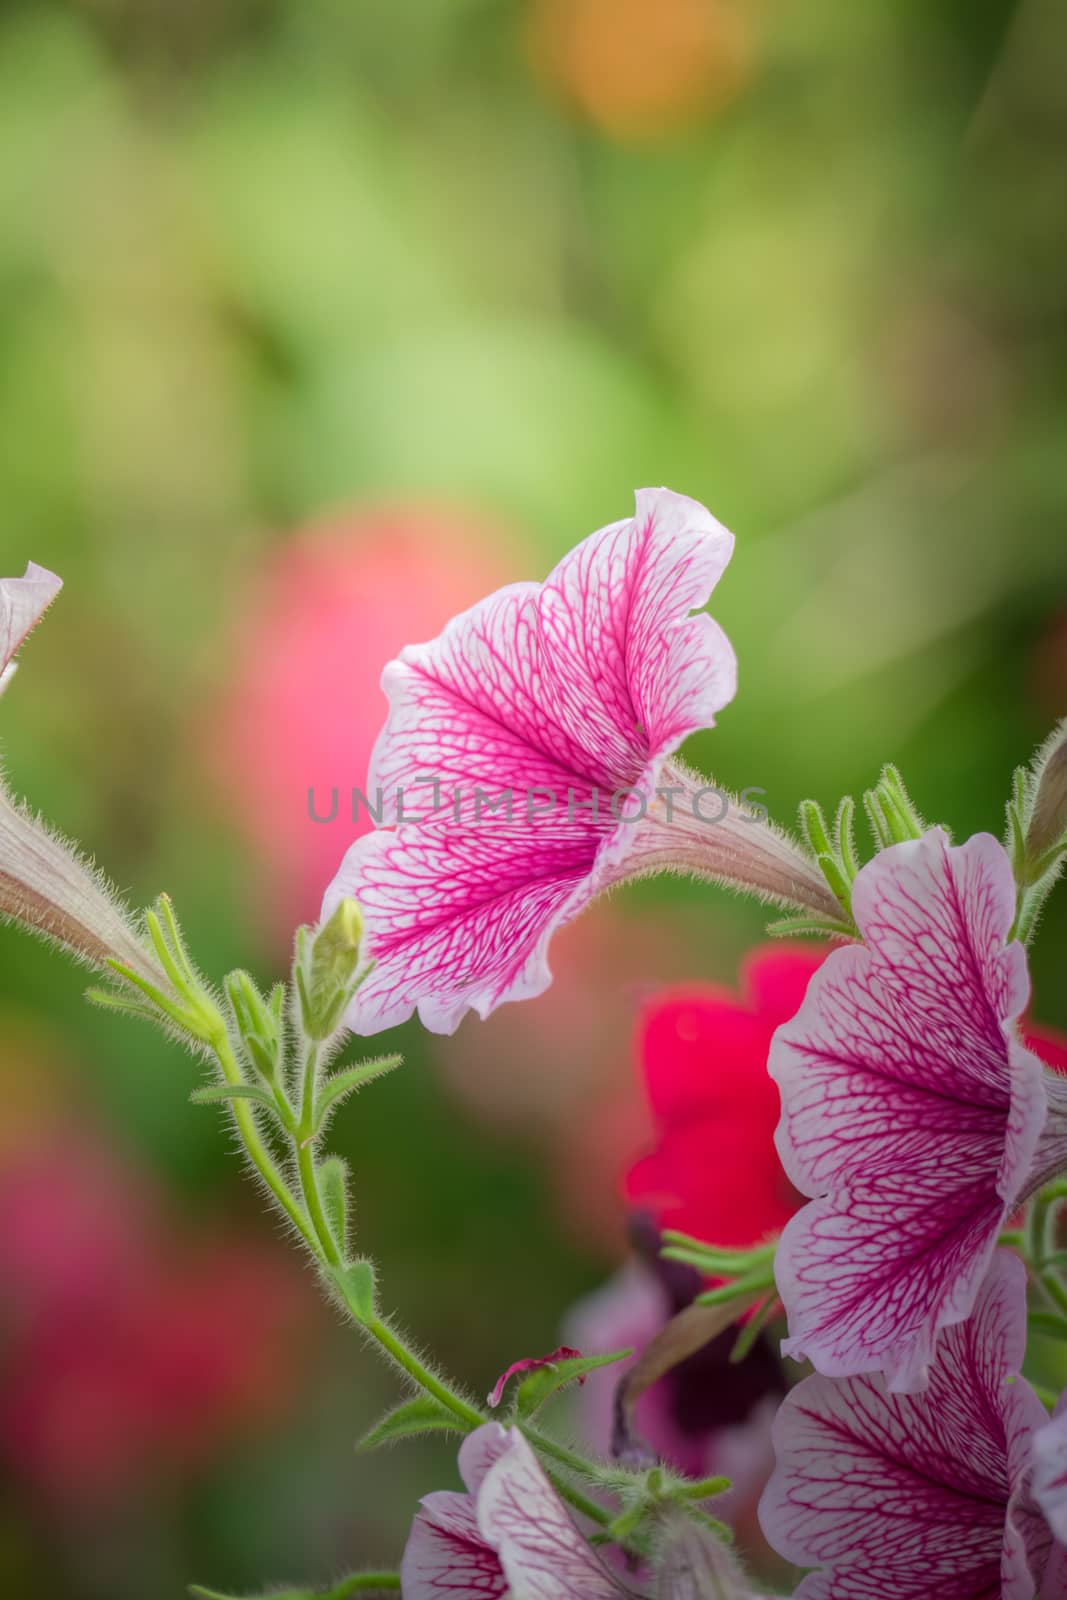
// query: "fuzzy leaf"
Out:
[333,1180]
[424,1414]
[216,1093]
[338,1087]
[546,1381]
[357,1286]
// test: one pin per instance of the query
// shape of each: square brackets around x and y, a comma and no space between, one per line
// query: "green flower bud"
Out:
[1048,816]
[327,969]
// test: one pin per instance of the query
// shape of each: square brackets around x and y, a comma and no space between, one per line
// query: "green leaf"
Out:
[216,1093]
[357,1286]
[346,1082]
[333,1181]
[546,1381]
[424,1414]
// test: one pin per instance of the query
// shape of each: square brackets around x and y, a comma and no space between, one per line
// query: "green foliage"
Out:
[541,1385]
[424,1414]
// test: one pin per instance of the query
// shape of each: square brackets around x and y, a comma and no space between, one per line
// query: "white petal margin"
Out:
[543,1555]
[1050,1470]
[23,601]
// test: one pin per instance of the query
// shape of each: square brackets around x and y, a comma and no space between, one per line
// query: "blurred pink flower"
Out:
[127,1347]
[302,708]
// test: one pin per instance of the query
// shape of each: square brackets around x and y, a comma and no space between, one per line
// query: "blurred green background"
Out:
[319,318]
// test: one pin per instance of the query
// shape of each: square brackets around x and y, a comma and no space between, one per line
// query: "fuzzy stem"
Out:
[305,1162]
[408,1362]
[261,1159]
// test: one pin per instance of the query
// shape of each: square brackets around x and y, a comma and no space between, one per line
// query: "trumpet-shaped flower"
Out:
[23,601]
[911,1111]
[526,765]
[509,1535]
[900,1497]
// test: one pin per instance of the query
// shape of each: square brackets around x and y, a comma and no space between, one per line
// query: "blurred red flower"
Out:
[714,1171]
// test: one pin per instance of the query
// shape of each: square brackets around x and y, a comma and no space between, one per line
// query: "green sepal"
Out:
[714,1261]
[749,1283]
[424,1414]
[752,1329]
[845,837]
[800,927]
[541,1385]
[258,1024]
[705,1488]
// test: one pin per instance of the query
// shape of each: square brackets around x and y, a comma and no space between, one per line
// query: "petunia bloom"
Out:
[911,1112]
[23,602]
[526,765]
[900,1497]
[509,1535]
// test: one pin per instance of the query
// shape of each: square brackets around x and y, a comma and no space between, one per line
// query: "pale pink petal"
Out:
[909,1110]
[531,1364]
[1050,1470]
[479,1451]
[447,1555]
[908,1496]
[543,1555]
[560,693]
[23,601]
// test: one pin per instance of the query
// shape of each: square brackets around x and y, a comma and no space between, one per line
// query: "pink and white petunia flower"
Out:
[911,1112]
[526,765]
[23,602]
[901,1497]
[509,1535]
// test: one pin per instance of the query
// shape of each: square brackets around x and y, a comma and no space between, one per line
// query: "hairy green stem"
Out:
[408,1362]
[257,1150]
[305,1163]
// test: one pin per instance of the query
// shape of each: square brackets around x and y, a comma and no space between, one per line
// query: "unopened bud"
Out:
[48,887]
[327,969]
[1048,817]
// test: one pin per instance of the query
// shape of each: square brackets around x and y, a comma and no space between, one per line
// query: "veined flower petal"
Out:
[523,746]
[899,1497]
[910,1111]
[509,1535]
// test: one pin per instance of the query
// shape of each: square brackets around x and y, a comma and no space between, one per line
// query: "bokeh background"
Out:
[318,319]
